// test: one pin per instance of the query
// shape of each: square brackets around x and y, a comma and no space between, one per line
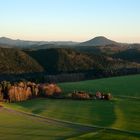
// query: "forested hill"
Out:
[68,60]
[62,61]
[15,61]
[132,55]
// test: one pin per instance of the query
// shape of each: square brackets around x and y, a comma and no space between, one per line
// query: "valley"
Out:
[87,67]
[69,70]
[105,120]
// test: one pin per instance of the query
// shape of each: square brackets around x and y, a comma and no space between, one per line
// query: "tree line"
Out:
[22,91]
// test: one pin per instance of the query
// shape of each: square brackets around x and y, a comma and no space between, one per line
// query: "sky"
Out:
[70,20]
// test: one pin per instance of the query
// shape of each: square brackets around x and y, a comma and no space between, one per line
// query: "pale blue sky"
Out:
[76,20]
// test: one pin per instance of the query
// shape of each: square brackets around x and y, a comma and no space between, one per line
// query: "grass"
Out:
[13,127]
[122,86]
[120,113]
[87,112]
[105,135]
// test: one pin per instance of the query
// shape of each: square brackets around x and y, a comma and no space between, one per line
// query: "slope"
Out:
[62,60]
[14,61]
[132,55]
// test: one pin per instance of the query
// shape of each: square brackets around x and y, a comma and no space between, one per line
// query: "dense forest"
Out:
[132,55]
[62,60]
[15,61]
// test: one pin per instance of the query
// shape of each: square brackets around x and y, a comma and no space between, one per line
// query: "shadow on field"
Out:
[91,112]
[36,106]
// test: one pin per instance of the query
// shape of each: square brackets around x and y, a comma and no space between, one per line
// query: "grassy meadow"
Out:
[14,127]
[118,86]
[121,113]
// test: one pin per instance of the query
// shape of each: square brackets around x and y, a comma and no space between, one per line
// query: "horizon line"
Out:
[12,38]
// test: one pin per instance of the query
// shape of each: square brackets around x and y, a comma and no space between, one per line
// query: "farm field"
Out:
[119,114]
[15,125]
[105,135]
[109,120]
[118,86]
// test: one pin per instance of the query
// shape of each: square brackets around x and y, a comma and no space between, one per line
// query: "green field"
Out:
[105,135]
[15,125]
[113,120]
[121,86]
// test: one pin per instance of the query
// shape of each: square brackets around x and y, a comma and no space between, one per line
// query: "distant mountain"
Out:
[16,43]
[98,41]
[22,43]
[134,46]
[63,43]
